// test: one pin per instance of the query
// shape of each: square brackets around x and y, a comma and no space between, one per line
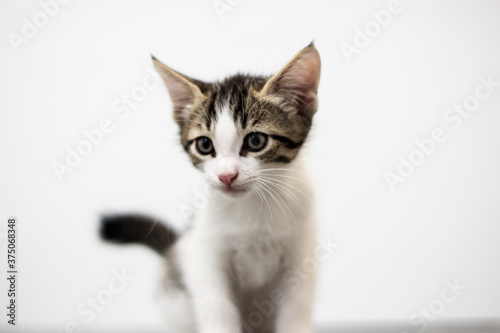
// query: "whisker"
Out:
[260,190]
[286,176]
[281,207]
[287,184]
[288,191]
[267,189]
[254,187]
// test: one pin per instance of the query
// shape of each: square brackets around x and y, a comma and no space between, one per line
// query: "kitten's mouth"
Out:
[234,191]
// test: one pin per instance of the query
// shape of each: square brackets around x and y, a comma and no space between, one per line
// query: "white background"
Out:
[397,247]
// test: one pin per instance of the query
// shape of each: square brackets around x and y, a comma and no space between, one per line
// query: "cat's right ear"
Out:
[184,91]
[295,87]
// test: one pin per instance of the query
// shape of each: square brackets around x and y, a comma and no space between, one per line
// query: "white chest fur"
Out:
[258,261]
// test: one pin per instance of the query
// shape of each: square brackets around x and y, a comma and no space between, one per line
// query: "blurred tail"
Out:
[137,229]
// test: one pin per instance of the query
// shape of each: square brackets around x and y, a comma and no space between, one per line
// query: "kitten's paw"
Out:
[221,329]
[296,329]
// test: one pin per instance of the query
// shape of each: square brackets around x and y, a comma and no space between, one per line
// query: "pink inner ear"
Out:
[183,92]
[308,73]
[182,96]
[307,70]
[299,83]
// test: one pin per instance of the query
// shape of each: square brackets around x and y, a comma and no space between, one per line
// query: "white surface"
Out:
[397,247]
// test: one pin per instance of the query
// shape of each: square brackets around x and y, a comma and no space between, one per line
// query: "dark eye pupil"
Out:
[204,145]
[255,140]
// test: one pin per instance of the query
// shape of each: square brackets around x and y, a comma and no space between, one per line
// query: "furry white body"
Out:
[242,244]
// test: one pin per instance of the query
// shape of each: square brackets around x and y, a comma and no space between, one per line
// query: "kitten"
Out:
[234,269]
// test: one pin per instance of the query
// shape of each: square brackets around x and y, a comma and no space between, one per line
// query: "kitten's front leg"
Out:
[295,314]
[206,277]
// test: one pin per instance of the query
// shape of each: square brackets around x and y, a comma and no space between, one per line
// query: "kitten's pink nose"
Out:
[228,178]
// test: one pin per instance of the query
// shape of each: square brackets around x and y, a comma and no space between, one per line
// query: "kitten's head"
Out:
[236,129]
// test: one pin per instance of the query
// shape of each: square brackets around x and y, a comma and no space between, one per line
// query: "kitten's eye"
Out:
[255,142]
[204,145]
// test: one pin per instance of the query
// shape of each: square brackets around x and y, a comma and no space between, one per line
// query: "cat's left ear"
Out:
[295,86]
[183,90]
